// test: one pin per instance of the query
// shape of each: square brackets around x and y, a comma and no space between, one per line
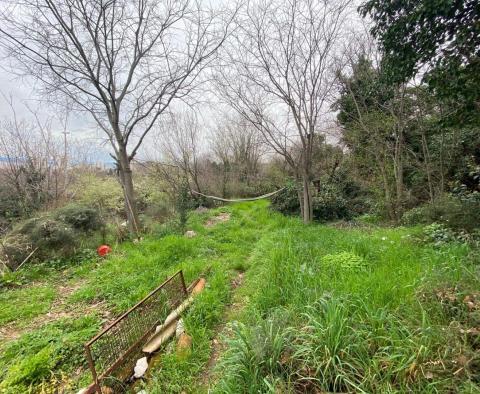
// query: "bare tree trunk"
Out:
[442,163]
[428,170]
[126,179]
[307,200]
[398,164]
[386,190]
[300,200]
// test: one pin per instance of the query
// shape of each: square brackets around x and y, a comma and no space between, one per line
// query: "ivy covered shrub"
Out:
[80,217]
[438,234]
[454,212]
[286,201]
[184,202]
[14,249]
[329,203]
[50,233]
[56,235]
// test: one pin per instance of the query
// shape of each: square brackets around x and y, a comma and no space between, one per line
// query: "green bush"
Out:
[103,192]
[438,234]
[50,233]
[328,203]
[184,202]
[14,249]
[80,217]
[55,235]
[286,201]
[369,218]
[453,212]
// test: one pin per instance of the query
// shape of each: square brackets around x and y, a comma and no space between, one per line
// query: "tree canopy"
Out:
[438,37]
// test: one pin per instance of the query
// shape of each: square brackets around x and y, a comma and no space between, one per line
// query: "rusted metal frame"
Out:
[91,365]
[109,327]
[185,291]
[192,285]
[125,354]
[119,360]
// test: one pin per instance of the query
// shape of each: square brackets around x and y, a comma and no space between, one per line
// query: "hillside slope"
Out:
[287,308]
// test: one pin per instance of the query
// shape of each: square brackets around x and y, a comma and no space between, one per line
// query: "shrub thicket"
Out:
[329,202]
[57,234]
[81,218]
[459,214]
[184,202]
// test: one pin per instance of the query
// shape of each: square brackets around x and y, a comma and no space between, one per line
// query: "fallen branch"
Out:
[27,258]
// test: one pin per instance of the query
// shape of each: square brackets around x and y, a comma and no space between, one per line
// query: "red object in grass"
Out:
[103,250]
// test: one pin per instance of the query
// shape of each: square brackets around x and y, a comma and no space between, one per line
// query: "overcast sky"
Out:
[22,91]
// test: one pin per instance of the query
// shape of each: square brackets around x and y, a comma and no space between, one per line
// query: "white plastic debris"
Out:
[180,328]
[190,234]
[140,368]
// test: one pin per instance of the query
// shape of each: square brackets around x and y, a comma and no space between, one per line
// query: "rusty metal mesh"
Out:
[111,352]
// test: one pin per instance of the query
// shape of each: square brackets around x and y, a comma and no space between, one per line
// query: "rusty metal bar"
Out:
[114,323]
[91,365]
[107,351]
[185,291]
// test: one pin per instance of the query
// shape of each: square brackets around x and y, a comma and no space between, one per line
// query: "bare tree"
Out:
[179,137]
[34,161]
[282,75]
[121,61]
[239,148]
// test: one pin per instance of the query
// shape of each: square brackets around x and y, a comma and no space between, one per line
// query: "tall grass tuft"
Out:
[254,361]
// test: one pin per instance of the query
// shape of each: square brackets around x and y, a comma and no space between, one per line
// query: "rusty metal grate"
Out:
[111,350]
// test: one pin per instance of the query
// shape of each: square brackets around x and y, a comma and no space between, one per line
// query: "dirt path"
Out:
[223,330]
[59,309]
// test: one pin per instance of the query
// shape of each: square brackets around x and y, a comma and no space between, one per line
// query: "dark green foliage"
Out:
[286,201]
[184,202]
[368,86]
[444,35]
[10,207]
[80,217]
[330,204]
[438,234]
[453,212]
[50,233]
[332,199]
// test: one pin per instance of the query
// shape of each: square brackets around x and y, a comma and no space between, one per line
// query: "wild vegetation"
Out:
[359,122]
[325,307]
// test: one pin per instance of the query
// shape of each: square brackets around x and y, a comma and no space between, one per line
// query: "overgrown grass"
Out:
[354,315]
[23,304]
[117,283]
[325,309]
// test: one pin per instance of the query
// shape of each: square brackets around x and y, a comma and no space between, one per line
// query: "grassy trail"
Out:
[48,312]
[318,308]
